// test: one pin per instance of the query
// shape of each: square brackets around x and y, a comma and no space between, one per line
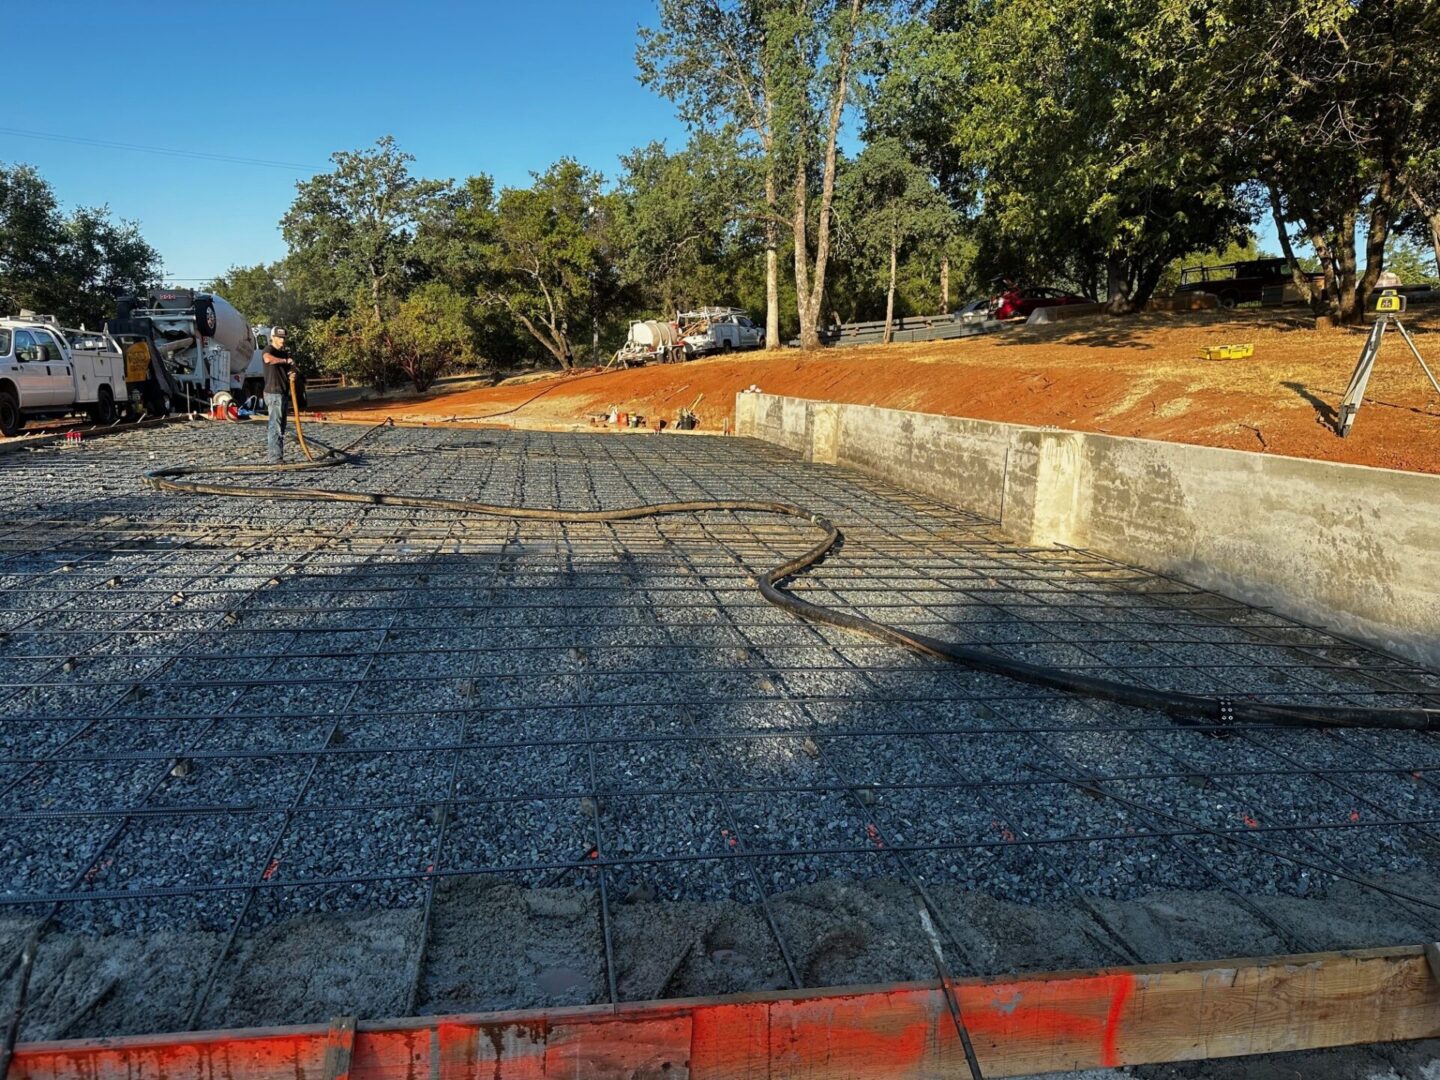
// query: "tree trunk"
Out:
[1343,306]
[1297,274]
[1118,286]
[809,334]
[890,295]
[1431,214]
[809,300]
[772,261]
[1146,283]
[944,284]
[375,296]
[1377,233]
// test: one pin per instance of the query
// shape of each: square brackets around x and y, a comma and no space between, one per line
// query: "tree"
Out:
[429,332]
[352,343]
[720,61]
[1329,102]
[353,228]
[819,74]
[31,238]
[261,293]
[550,265]
[677,234]
[1421,180]
[886,204]
[1411,263]
[72,267]
[1063,132]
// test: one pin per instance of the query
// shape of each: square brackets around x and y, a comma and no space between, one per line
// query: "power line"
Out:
[198,155]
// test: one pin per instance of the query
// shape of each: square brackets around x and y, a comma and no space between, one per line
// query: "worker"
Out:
[279,369]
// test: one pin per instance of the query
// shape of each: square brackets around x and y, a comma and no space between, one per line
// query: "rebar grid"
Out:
[221,717]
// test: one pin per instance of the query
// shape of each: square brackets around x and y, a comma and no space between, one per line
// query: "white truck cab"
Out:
[47,370]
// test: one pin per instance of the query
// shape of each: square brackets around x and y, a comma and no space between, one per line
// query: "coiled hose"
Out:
[1193,708]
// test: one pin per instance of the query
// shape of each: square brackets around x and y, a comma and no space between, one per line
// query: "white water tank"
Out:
[654,334]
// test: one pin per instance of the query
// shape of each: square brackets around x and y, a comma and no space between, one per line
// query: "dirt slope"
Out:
[1140,377]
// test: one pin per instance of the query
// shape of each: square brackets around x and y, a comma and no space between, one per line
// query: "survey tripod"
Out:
[1388,306]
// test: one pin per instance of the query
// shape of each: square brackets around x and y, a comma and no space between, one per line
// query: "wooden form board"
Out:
[1020,1025]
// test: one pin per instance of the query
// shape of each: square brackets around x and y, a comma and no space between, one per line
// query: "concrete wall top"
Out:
[1350,547]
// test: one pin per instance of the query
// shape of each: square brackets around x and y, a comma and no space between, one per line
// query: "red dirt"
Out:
[1141,377]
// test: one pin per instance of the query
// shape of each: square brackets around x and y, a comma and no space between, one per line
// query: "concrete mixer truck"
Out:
[181,347]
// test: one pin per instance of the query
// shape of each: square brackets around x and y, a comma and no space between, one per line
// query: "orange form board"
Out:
[1020,1025]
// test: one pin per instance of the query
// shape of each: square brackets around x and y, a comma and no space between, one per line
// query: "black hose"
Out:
[1189,707]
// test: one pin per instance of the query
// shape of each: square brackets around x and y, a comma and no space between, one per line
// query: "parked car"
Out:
[1018,303]
[976,310]
[1237,283]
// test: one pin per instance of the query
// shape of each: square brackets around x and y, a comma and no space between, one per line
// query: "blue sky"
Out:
[486,86]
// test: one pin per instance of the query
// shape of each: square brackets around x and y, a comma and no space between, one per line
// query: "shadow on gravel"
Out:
[410,762]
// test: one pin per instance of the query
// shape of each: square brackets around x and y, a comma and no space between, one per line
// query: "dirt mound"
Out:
[1141,377]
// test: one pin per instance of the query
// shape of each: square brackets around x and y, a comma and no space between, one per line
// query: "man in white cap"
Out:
[278,369]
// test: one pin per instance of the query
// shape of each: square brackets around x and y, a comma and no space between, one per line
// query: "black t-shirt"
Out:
[277,376]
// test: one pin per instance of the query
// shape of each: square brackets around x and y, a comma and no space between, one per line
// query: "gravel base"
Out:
[262,709]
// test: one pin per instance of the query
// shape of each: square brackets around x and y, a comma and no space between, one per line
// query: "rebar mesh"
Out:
[471,763]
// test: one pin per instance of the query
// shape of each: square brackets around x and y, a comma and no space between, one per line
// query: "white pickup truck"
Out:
[718,330]
[46,371]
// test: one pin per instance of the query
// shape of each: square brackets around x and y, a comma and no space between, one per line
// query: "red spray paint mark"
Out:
[270,870]
[1250,822]
[1120,991]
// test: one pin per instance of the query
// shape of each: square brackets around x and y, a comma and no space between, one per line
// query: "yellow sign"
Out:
[137,362]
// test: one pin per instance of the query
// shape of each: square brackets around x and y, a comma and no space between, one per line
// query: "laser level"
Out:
[1387,308]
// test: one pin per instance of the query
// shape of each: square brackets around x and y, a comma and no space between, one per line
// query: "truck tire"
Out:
[206,322]
[103,411]
[11,419]
[727,348]
[1229,299]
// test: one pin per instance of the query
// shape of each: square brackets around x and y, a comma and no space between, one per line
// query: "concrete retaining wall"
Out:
[1350,548]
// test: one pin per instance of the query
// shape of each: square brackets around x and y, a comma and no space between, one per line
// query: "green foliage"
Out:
[72,267]
[430,332]
[679,237]
[1412,263]
[551,266]
[1066,134]
[886,206]
[352,343]
[261,294]
[1326,102]
[354,227]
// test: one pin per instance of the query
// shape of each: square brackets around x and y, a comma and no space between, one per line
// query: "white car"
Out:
[976,311]
[48,371]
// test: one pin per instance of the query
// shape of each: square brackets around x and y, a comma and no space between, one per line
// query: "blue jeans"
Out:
[275,436]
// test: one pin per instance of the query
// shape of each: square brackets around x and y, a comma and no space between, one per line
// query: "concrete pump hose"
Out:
[1194,708]
[295,412]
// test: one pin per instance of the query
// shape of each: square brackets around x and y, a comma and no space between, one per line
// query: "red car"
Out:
[1018,303]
